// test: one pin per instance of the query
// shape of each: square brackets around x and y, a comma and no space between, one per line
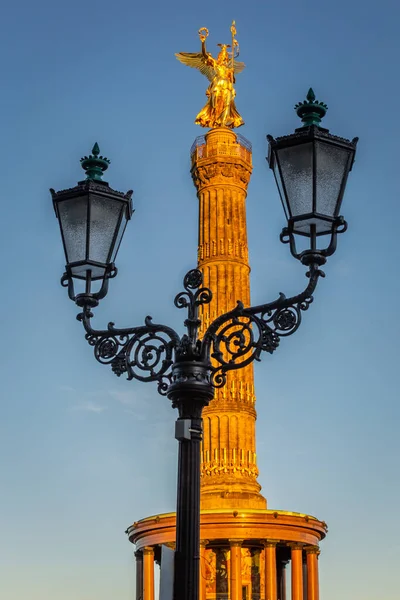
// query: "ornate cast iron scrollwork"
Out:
[152,352]
[239,336]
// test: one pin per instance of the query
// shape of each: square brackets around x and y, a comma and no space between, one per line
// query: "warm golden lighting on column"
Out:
[148,573]
[236,569]
[312,573]
[221,169]
[297,571]
[203,570]
[270,570]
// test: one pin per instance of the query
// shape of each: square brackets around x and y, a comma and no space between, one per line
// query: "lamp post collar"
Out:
[94,165]
[311,111]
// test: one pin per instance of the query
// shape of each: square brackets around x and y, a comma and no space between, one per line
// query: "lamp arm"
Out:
[239,336]
[144,352]
[147,352]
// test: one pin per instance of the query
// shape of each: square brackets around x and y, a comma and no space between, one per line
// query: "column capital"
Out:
[270,543]
[235,543]
[296,545]
[148,551]
[204,543]
[138,554]
[312,550]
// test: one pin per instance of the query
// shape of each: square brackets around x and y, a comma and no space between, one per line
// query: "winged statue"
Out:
[220,109]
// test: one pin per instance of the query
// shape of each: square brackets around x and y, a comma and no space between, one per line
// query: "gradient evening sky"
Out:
[84,454]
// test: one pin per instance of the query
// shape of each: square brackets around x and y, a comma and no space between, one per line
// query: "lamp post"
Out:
[311,168]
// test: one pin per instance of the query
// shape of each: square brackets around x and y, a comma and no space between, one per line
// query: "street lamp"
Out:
[311,168]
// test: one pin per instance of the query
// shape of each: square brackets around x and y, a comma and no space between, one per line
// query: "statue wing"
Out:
[197,61]
[238,67]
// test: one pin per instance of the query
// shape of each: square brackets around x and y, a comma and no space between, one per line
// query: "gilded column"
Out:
[270,571]
[221,169]
[236,569]
[297,571]
[148,573]
[139,574]
[312,572]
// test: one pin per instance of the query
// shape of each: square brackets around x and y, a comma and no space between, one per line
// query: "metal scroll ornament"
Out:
[149,352]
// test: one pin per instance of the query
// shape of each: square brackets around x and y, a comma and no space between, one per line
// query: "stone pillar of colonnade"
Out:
[236,569]
[270,570]
[148,573]
[139,574]
[297,571]
[203,572]
[312,553]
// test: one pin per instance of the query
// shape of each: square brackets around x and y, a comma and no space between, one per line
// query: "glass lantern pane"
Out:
[104,219]
[304,227]
[280,189]
[331,166]
[121,232]
[296,164]
[73,222]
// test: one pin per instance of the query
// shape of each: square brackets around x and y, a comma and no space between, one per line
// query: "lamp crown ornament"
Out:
[311,111]
[94,165]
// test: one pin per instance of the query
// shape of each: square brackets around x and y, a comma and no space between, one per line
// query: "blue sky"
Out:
[84,454]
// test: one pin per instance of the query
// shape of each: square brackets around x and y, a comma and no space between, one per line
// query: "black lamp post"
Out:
[311,168]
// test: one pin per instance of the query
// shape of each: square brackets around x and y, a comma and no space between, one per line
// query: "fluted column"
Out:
[221,169]
[203,580]
[297,571]
[236,569]
[139,574]
[312,553]
[270,570]
[148,573]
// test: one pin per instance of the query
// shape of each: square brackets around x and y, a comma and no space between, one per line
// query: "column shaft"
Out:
[270,571]
[139,574]
[203,580]
[297,572]
[312,574]
[236,570]
[148,573]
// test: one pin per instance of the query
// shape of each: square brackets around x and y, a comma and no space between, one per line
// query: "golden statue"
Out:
[220,110]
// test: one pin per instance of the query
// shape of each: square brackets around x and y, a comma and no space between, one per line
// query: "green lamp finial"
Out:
[311,111]
[94,165]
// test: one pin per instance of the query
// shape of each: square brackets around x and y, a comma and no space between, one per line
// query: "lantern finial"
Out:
[94,165]
[311,111]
